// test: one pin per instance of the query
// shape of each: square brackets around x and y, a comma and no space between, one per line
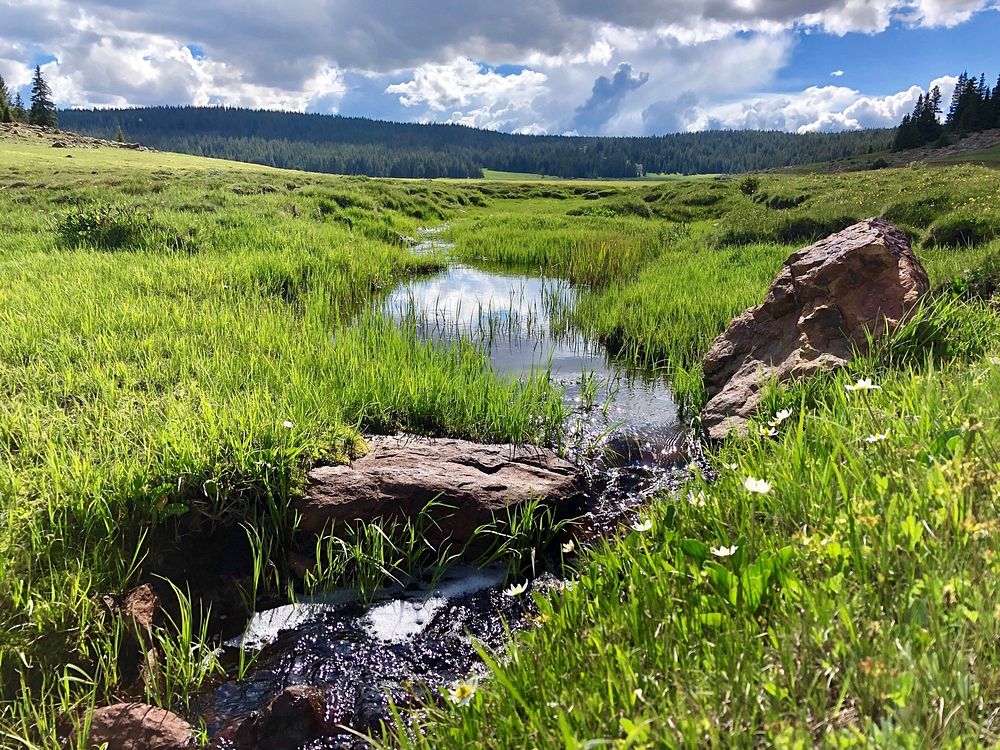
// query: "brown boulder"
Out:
[142,606]
[400,475]
[137,726]
[814,317]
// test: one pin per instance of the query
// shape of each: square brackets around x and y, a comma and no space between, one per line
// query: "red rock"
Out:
[814,317]
[400,475]
[143,607]
[137,726]
[296,716]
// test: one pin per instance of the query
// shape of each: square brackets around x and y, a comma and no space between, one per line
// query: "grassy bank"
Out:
[184,337]
[669,266]
[854,602]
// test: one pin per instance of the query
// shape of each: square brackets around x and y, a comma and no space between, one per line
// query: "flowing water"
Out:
[417,639]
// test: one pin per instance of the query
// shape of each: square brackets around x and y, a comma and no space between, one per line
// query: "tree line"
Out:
[974,107]
[42,111]
[352,145]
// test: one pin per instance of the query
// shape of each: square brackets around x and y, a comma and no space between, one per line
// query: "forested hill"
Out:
[347,145]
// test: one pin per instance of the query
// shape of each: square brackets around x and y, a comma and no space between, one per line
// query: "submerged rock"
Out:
[400,476]
[138,726]
[296,716]
[814,317]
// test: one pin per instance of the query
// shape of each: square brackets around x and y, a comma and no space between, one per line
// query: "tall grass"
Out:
[194,359]
[195,370]
[852,605]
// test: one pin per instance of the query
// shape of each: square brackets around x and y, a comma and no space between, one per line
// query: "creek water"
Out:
[411,641]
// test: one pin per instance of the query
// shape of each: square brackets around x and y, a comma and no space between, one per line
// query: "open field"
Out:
[184,337]
[494,175]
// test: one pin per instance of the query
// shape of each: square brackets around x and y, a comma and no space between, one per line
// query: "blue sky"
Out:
[895,59]
[536,66]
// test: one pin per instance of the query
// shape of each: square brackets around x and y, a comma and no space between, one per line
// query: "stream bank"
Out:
[344,659]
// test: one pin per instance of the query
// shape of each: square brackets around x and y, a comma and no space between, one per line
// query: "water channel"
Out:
[414,640]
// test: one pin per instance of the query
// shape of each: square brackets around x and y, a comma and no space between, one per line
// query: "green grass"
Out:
[166,317]
[988,157]
[493,174]
[151,364]
[859,609]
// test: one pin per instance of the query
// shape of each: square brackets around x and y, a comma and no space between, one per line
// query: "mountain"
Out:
[350,145]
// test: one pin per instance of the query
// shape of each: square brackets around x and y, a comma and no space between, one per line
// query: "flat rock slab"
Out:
[138,726]
[401,475]
[816,315]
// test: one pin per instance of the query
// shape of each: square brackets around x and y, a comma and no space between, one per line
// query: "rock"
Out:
[813,318]
[401,475]
[143,607]
[137,726]
[59,144]
[297,716]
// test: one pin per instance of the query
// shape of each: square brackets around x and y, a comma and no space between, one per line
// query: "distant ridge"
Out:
[348,145]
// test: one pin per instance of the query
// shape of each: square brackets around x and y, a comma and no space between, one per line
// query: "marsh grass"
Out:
[857,610]
[148,385]
[196,367]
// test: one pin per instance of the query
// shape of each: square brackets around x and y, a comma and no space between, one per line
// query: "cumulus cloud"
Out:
[630,66]
[817,109]
[606,97]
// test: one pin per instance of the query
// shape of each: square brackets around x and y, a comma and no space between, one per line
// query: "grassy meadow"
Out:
[183,338]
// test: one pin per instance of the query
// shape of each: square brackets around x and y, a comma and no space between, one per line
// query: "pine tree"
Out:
[5,112]
[907,135]
[120,135]
[996,105]
[19,112]
[43,111]
[956,99]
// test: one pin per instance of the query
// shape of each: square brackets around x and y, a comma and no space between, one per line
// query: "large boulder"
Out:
[400,475]
[814,318]
[138,726]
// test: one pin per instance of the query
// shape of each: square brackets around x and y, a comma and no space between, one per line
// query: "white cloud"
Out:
[407,59]
[837,74]
[817,109]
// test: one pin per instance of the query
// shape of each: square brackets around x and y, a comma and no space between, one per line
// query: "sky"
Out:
[589,67]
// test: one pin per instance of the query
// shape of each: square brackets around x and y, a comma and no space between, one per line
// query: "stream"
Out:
[413,640]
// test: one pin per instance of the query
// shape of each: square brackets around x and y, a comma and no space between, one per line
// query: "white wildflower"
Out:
[516,589]
[757,486]
[864,384]
[724,551]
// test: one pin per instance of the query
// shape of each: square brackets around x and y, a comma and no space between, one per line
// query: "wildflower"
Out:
[692,468]
[643,525]
[724,551]
[287,424]
[766,431]
[757,486]
[637,694]
[780,417]
[568,547]
[864,384]
[461,693]
[699,500]
[732,467]
[516,589]
[871,439]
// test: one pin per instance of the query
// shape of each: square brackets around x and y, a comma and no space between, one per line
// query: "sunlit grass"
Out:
[834,585]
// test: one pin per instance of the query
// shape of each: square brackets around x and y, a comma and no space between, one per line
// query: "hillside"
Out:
[343,145]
